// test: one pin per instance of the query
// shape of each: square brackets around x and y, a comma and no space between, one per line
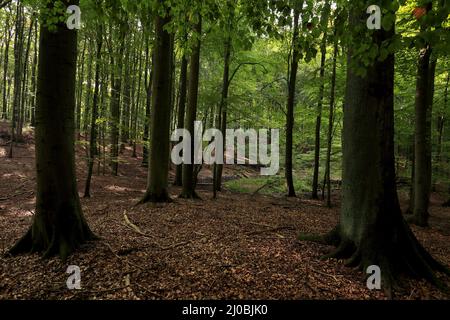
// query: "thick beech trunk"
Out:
[188,191]
[58,227]
[158,174]
[372,230]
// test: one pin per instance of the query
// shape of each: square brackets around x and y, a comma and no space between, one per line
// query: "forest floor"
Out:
[240,246]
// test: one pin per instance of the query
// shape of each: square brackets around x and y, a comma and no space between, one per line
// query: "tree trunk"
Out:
[25,80]
[148,103]
[290,121]
[223,112]
[331,123]
[443,120]
[94,115]
[117,67]
[125,119]
[135,70]
[18,52]
[88,94]
[181,109]
[5,71]
[323,49]
[410,208]
[33,76]
[441,124]
[157,186]
[137,104]
[372,230]
[58,226]
[80,91]
[422,167]
[188,191]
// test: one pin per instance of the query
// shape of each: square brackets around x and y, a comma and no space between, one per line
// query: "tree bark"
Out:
[223,112]
[158,175]
[5,70]
[94,115]
[88,94]
[33,76]
[24,94]
[422,156]
[372,230]
[137,103]
[182,109]
[188,191]
[323,50]
[80,91]
[18,55]
[148,103]
[59,226]
[331,123]
[125,119]
[117,67]
[290,121]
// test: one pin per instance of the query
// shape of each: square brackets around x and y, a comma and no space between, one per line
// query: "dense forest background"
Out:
[138,70]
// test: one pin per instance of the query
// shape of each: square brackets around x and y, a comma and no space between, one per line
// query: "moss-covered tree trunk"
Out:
[58,226]
[157,186]
[188,191]
[372,230]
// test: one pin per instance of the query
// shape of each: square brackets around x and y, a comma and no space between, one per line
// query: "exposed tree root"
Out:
[400,255]
[190,196]
[418,221]
[155,198]
[330,238]
[60,241]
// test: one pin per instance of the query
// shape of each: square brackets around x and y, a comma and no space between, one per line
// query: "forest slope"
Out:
[241,246]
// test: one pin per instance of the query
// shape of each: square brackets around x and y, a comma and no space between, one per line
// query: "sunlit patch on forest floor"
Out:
[241,246]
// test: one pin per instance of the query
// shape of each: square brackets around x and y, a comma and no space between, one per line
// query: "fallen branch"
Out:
[159,246]
[135,227]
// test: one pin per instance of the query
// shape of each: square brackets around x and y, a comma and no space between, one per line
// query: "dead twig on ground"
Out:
[135,227]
